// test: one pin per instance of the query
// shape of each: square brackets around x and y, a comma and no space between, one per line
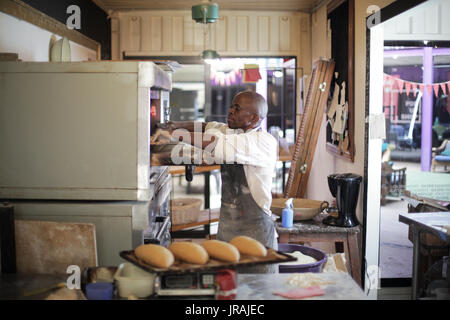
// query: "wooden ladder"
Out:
[305,145]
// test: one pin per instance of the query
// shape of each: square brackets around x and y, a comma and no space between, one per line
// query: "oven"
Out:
[159,105]
[159,223]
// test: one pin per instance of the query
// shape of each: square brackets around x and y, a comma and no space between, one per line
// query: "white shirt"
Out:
[256,150]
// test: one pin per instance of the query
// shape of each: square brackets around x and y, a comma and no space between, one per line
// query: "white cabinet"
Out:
[76,131]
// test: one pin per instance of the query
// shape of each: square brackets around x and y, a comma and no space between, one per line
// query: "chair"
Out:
[393,181]
[396,133]
[441,155]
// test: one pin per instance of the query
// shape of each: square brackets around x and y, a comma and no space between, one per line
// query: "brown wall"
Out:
[325,163]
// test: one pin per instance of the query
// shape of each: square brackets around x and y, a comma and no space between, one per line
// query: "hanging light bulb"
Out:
[209,56]
[207,13]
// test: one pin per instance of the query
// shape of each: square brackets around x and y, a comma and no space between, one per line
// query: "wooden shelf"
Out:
[203,219]
[197,169]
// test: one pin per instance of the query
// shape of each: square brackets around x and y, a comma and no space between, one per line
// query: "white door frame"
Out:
[372,252]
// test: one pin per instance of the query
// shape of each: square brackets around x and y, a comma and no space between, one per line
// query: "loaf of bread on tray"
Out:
[249,246]
[221,250]
[155,255]
[189,252]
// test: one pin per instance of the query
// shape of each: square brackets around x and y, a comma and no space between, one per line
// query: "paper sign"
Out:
[377,126]
[341,119]
[334,102]
[343,100]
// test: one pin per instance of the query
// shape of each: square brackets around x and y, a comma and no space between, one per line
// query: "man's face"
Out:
[241,114]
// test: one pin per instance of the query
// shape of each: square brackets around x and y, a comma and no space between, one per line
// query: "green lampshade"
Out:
[209,55]
[205,13]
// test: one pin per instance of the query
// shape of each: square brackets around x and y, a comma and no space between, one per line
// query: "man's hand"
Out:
[190,126]
[168,126]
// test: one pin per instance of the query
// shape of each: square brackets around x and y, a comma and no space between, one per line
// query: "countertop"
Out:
[250,287]
[433,222]
[314,226]
[261,287]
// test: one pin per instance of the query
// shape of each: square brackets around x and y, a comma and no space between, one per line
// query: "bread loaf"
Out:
[249,246]
[155,255]
[189,252]
[221,250]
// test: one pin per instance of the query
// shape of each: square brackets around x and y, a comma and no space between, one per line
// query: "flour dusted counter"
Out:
[315,231]
[337,286]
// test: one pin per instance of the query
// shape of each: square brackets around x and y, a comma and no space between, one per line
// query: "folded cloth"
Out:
[300,293]
[251,73]
[160,137]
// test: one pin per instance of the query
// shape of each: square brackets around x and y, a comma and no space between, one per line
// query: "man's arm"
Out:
[198,139]
[254,149]
[191,126]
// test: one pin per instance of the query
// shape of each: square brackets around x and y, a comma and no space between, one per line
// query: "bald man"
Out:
[247,156]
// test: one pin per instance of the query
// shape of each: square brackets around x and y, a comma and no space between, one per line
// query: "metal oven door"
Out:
[158,231]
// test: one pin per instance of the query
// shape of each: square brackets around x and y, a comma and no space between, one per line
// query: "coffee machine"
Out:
[345,188]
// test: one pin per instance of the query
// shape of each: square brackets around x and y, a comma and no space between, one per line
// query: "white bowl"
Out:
[133,281]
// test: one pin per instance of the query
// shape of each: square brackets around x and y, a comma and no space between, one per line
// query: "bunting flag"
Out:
[436,91]
[444,88]
[410,86]
[400,83]
[421,88]
[414,87]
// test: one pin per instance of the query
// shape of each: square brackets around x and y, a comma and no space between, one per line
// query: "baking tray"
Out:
[180,267]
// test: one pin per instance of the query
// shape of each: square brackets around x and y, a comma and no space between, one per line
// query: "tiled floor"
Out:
[396,251]
[395,247]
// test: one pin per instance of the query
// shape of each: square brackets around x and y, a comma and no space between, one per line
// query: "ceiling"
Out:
[279,5]
[415,61]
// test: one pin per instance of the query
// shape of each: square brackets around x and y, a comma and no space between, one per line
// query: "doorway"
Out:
[408,65]
[204,91]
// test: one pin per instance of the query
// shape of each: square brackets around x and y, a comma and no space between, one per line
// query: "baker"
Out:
[247,156]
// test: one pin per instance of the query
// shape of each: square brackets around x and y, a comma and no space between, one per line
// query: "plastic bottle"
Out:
[287,215]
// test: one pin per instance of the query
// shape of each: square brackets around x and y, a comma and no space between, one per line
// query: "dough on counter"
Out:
[301,258]
[305,280]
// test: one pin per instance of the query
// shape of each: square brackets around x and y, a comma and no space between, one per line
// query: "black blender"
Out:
[345,188]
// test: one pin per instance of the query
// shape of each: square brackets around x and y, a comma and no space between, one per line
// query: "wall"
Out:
[94,21]
[236,33]
[317,183]
[32,42]
[429,22]
[239,33]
